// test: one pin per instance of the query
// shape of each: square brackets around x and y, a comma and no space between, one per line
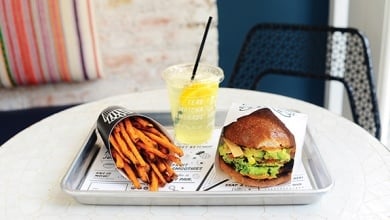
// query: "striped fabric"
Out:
[47,41]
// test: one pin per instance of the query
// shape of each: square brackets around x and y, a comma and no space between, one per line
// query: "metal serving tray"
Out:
[314,166]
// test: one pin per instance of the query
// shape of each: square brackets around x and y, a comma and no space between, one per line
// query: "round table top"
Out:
[34,162]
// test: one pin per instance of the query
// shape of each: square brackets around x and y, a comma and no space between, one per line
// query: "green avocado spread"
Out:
[256,162]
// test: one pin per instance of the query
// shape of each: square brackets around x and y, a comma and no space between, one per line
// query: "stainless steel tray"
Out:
[314,166]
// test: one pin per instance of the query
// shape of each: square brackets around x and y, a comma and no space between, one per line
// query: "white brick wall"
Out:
[138,39]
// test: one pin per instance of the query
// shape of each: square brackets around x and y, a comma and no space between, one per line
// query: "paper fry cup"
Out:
[111,116]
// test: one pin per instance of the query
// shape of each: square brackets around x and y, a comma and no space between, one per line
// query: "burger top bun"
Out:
[260,129]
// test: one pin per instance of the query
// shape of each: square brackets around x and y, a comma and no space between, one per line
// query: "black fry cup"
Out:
[111,116]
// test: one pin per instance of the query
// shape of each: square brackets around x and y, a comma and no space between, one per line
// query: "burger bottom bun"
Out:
[238,177]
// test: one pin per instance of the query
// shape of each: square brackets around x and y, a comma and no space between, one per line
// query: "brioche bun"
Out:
[260,129]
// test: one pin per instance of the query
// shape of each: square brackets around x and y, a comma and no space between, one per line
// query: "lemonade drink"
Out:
[193,101]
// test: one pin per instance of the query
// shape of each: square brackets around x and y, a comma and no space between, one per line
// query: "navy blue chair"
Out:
[288,50]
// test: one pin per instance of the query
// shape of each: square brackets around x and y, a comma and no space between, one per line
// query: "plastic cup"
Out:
[193,101]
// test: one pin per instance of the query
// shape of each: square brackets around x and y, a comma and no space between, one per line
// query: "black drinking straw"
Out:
[201,48]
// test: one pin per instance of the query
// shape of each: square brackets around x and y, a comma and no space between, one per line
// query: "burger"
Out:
[257,150]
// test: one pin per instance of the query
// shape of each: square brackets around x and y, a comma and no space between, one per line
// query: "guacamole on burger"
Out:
[257,150]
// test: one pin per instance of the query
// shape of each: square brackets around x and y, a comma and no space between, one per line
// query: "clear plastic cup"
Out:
[193,101]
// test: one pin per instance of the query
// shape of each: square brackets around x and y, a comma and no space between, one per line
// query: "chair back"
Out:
[287,49]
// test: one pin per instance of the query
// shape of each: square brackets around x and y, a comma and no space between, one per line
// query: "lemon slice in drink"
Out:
[197,94]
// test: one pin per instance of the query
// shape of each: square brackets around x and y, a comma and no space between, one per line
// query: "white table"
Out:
[33,163]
